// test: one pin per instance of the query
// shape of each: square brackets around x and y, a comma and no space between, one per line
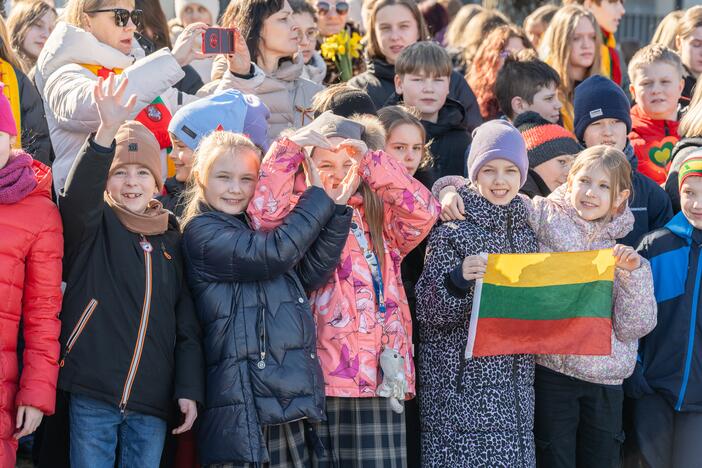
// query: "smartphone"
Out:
[218,41]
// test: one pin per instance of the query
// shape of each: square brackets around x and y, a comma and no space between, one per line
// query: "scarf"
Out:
[11,91]
[151,222]
[17,179]
[611,65]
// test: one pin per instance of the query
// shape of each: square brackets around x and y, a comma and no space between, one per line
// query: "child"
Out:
[475,412]
[570,46]
[227,110]
[667,418]
[130,339]
[30,285]
[422,75]
[189,12]
[524,84]
[343,100]
[602,118]
[688,44]
[362,310]
[608,14]
[656,83]
[537,22]
[305,18]
[264,379]
[578,419]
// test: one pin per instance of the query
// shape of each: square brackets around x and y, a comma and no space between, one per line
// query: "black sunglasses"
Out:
[122,16]
[341,8]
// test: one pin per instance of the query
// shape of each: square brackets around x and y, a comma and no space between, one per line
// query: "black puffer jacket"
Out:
[173,198]
[259,332]
[475,412]
[682,149]
[378,82]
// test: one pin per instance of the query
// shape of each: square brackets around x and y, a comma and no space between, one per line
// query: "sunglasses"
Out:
[122,16]
[323,8]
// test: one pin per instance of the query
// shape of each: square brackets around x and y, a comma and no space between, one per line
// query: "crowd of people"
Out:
[242,260]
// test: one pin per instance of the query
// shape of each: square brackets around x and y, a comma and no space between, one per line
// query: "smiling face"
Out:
[307,34]
[498,181]
[427,93]
[182,157]
[591,194]
[582,51]
[231,181]
[395,28]
[332,165]
[608,14]
[691,200]
[656,88]
[554,172]
[38,33]
[405,143]
[102,26]
[610,132]
[194,13]
[279,34]
[133,186]
[690,48]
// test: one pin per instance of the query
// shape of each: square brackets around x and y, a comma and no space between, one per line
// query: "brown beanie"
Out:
[137,145]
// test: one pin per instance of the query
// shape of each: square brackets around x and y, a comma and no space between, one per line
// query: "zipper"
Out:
[517,409]
[143,325]
[78,329]
[261,328]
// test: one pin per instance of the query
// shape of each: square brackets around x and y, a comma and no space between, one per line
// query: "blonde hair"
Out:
[654,53]
[393,116]
[691,20]
[477,30]
[75,9]
[556,46]
[210,149]
[456,28]
[691,123]
[23,16]
[667,29]
[6,52]
[610,160]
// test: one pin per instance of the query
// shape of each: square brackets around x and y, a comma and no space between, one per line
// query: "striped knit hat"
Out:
[545,140]
[690,167]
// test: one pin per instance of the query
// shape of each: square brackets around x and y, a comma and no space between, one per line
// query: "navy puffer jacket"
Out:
[259,332]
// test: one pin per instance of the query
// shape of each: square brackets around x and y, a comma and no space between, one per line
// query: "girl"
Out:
[688,43]
[579,399]
[30,285]
[263,63]
[130,339]
[25,104]
[362,309]
[190,12]
[498,45]
[256,318]
[394,25]
[537,22]
[457,26]
[667,29]
[475,33]
[571,46]
[29,25]
[96,38]
[307,32]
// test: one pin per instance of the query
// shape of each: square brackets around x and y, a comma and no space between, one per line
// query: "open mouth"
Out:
[131,196]
[232,201]
[499,193]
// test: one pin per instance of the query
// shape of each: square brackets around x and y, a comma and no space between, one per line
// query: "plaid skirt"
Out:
[361,433]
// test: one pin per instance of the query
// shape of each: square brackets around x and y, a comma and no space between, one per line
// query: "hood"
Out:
[69,44]
[451,117]
[680,226]
[493,218]
[381,69]
[686,145]
[42,173]
[616,228]
[647,127]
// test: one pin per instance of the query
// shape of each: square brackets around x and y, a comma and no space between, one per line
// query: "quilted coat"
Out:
[31,249]
[259,336]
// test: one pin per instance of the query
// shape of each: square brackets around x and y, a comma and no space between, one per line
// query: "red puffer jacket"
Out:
[31,249]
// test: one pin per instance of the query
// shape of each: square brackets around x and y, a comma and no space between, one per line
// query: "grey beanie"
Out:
[497,139]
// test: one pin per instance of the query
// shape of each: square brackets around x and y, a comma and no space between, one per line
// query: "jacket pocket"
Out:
[78,328]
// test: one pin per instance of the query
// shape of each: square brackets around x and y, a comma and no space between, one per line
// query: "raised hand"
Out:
[308,137]
[240,60]
[346,188]
[626,257]
[356,149]
[312,176]
[111,110]
[188,46]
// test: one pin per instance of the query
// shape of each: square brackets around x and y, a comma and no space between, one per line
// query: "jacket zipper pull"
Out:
[262,363]
[122,407]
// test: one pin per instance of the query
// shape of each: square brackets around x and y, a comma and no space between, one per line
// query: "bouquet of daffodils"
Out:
[342,48]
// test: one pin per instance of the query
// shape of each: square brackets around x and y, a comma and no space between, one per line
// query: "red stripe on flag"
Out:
[581,335]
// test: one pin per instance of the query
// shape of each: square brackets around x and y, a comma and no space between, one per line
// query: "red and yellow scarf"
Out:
[610,65]
[11,91]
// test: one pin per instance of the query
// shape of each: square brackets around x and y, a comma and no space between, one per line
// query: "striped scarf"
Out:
[611,65]
[11,91]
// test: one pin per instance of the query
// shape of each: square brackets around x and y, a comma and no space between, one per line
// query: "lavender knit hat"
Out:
[497,139]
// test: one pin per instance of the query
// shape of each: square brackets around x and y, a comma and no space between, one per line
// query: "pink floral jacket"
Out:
[349,336]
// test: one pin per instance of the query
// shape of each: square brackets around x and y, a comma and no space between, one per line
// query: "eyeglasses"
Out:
[122,16]
[310,34]
[323,8]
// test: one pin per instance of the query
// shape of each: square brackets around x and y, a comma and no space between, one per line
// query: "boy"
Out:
[657,82]
[608,14]
[422,76]
[601,111]
[229,110]
[527,84]
[667,381]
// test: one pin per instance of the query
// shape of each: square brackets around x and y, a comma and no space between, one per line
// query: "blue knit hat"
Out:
[497,139]
[599,98]
[230,110]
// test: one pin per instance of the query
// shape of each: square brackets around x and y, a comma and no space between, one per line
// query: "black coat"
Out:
[259,331]
[174,197]
[35,130]
[535,186]
[379,82]
[125,309]
[191,82]
[682,149]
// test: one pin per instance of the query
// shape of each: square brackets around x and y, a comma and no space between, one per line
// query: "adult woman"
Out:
[29,25]
[332,18]
[25,103]
[394,25]
[263,64]
[571,46]
[688,43]
[97,38]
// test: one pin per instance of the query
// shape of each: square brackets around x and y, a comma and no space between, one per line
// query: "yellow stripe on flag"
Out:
[549,269]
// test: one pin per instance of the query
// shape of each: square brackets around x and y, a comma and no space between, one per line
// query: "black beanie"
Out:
[348,103]
[599,98]
[545,140]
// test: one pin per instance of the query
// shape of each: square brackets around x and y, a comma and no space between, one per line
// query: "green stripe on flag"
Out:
[592,299]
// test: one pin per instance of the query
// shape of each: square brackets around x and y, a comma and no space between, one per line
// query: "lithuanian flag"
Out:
[545,303]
